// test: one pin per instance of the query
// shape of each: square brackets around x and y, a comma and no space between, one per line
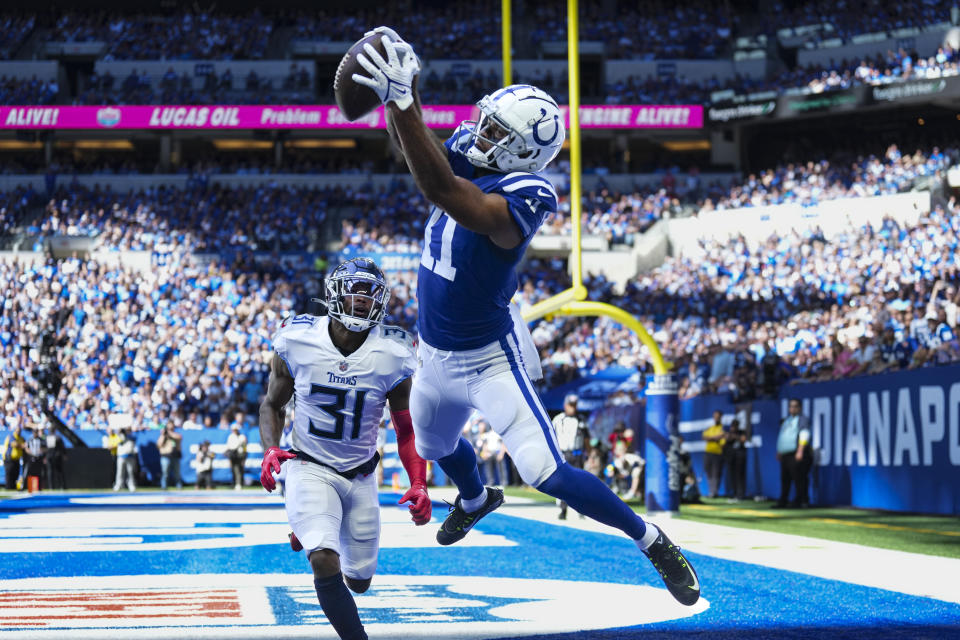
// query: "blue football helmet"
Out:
[361,280]
[523,127]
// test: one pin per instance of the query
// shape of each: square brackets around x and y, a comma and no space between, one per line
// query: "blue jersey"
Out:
[465,281]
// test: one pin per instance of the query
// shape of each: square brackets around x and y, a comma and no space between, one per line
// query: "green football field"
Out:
[917,533]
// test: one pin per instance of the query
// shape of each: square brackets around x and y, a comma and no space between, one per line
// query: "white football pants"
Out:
[328,511]
[495,381]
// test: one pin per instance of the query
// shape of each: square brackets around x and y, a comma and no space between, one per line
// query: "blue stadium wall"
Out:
[889,441]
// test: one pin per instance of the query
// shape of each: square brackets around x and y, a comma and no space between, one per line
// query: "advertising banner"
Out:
[323,117]
[387,261]
[828,101]
[916,91]
[732,112]
[662,492]
[793,106]
[889,441]
[592,390]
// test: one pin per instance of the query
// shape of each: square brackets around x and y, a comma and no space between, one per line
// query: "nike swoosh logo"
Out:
[541,192]
[480,370]
[696,581]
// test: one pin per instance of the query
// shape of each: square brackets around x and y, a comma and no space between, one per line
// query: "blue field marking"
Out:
[746,601]
[743,595]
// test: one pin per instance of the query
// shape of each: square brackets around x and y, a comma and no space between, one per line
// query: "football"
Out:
[355,100]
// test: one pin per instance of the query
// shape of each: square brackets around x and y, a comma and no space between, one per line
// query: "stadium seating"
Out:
[190,329]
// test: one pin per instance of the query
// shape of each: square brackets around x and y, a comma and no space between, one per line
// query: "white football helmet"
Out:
[521,127]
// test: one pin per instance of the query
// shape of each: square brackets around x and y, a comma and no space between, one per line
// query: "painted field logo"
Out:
[77,608]
[435,607]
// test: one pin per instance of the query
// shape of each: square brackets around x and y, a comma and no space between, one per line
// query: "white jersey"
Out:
[340,399]
[568,431]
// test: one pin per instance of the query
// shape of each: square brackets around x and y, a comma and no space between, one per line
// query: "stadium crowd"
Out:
[208,220]
[27,91]
[799,308]
[620,217]
[14,29]
[13,207]
[893,67]
[183,340]
[847,19]
[469,32]
[297,87]
[741,319]
[190,35]
[645,31]
[703,29]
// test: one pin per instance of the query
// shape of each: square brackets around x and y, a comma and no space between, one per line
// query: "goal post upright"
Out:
[662,404]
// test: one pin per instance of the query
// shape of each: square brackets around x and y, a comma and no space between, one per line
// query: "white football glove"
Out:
[386,31]
[391,79]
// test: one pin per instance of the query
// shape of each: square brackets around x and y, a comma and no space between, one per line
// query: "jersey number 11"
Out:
[444,266]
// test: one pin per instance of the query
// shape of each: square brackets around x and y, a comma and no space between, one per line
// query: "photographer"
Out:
[735,451]
[204,466]
[169,444]
[237,454]
[126,462]
[54,457]
[13,454]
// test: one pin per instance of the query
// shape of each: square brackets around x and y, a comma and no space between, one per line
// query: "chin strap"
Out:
[406,447]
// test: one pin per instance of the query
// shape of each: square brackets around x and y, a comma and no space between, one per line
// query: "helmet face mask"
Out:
[357,295]
[520,129]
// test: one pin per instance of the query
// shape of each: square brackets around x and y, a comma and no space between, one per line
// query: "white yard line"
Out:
[900,571]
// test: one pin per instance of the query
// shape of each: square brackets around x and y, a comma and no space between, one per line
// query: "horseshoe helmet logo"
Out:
[536,128]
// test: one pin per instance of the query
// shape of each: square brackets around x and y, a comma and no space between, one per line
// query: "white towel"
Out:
[528,350]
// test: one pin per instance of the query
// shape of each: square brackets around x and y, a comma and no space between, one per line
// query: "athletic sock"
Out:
[339,607]
[461,467]
[649,537]
[587,494]
[474,504]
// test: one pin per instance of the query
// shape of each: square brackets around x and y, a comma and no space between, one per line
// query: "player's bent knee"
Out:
[535,465]
[433,451]
[357,586]
[325,563]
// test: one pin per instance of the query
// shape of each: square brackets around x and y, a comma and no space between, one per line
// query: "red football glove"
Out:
[420,506]
[272,459]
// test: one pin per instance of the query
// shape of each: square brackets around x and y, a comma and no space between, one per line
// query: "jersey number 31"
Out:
[338,411]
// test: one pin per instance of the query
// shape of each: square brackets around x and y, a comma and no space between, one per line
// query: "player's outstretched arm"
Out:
[392,128]
[472,208]
[392,78]
[420,506]
[279,392]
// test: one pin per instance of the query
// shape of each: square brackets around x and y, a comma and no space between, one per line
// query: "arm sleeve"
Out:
[406,447]
[528,213]
[530,198]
